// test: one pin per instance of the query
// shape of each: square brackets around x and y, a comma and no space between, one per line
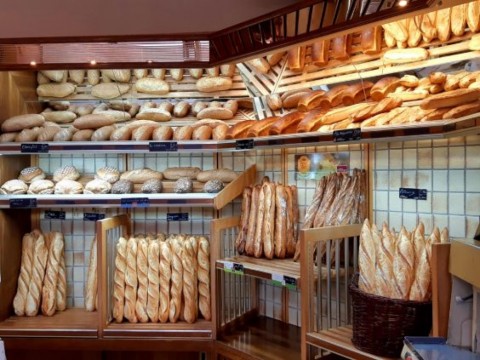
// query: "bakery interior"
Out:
[240,179]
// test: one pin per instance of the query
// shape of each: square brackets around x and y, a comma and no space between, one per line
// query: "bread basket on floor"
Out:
[380,323]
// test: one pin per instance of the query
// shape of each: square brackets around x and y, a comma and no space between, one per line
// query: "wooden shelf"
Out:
[217,201]
[338,341]
[74,322]
[263,339]
[201,329]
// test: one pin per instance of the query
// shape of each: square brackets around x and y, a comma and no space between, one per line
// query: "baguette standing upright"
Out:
[62,285]
[38,272]
[268,229]
[153,291]
[119,280]
[177,280]
[131,281]
[258,238]
[203,257]
[49,290]
[24,278]
[91,284]
[165,277]
[252,220]
[280,222]
[366,260]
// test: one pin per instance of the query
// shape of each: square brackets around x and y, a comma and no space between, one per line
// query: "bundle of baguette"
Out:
[42,283]
[397,266]
[112,83]
[339,199]
[410,34]
[68,180]
[162,279]
[269,221]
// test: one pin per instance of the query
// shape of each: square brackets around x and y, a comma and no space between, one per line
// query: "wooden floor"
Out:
[262,339]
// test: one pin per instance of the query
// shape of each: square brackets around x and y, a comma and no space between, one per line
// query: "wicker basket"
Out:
[380,324]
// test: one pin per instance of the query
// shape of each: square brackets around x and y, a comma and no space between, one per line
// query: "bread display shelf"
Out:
[201,329]
[249,341]
[216,201]
[74,322]
[178,90]
[360,66]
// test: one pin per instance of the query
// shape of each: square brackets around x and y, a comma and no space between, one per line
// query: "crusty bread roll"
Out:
[67,172]
[228,69]
[366,259]
[159,73]
[20,122]
[140,73]
[296,58]
[402,56]
[224,175]
[258,235]
[8,137]
[117,75]
[196,73]
[119,280]
[55,90]
[131,281]
[25,276]
[68,187]
[450,99]
[139,176]
[76,76]
[93,121]
[202,133]
[274,102]
[41,187]
[93,77]
[40,256]
[181,109]
[109,90]
[177,74]
[320,51]
[175,173]
[91,288]
[240,241]
[54,75]
[123,133]
[383,87]
[164,281]
[31,174]
[176,280]
[473,16]
[286,124]
[142,276]
[152,86]
[97,186]
[14,187]
[214,83]
[47,133]
[59,117]
[162,132]
[143,133]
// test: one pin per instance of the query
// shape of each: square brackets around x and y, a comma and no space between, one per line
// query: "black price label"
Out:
[177,216]
[233,268]
[246,144]
[27,203]
[93,216]
[165,146]
[34,148]
[290,282]
[55,215]
[411,193]
[347,135]
[127,203]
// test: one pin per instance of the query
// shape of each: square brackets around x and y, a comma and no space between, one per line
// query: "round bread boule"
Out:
[108,173]
[67,172]
[14,187]
[30,174]
[213,186]
[183,185]
[41,187]
[122,187]
[97,186]
[68,187]
[152,186]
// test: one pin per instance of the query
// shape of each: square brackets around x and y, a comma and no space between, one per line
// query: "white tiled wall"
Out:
[450,171]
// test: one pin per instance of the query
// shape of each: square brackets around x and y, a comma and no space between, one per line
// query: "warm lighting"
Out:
[149,61]
[93,62]
[402,3]
[33,63]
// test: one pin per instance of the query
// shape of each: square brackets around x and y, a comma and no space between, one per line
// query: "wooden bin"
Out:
[108,232]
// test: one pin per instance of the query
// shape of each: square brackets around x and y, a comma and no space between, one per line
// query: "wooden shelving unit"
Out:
[201,329]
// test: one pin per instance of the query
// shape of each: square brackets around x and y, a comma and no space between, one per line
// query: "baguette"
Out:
[162,132]
[333,97]
[402,56]
[462,110]
[367,259]
[286,124]
[410,95]
[19,302]
[427,26]
[312,121]
[436,114]
[357,93]
[274,102]
[131,281]
[268,229]
[260,64]
[258,237]
[459,19]
[310,100]
[239,130]
[397,30]
[341,47]
[93,121]
[414,33]
[175,173]
[93,77]
[228,69]
[240,241]
[292,100]
[252,221]
[280,244]
[409,81]
[214,83]
[40,256]
[92,279]
[320,51]
[473,16]
[59,117]
[389,39]
[371,40]
[437,77]
[383,87]
[119,280]
[443,24]
[296,59]
[148,85]
[20,122]
[218,113]
[177,74]
[290,243]
[450,99]
[339,114]
[164,280]
[275,58]
[262,127]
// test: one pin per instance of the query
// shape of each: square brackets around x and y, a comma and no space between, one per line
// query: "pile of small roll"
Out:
[42,282]
[269,221]
[397,266]
[162,279]
[66,181]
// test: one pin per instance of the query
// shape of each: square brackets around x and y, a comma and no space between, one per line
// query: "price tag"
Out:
[347,135]
[290,283]
[93,216]
[278,280]
[411,193]
[27,203]
[34,148]
[246,144]
[163,146]
[127,203]
[233,268]
[177,216]
[55,215]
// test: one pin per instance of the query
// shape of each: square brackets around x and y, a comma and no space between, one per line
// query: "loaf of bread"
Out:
[357,93]
[224,175]
[109,90]
[203,261]
[341,47]
[49,290]
[176,280]
[153,86]
[131,281]
[286,124]
[91,289]
[239,130]
[189,260]
[296,58]
[20,122]
[40,257]
[280,245]
[119,280]
[56,90]
[403,265]
[62,285]
[310,100]
[142,276]
[367,259]
[261,127]
[214,84]
[164,280]
[384,258]
[320,50]
[139,176]
[450,99]
[462,110]
[240,241]
[26,267]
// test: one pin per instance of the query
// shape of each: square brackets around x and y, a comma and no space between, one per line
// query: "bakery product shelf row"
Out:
[464,126]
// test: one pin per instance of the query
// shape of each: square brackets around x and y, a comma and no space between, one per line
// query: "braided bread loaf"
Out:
[119,280]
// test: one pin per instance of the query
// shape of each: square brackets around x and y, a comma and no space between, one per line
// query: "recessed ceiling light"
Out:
[33,63]
[402,3]
[93,62]
[149,61]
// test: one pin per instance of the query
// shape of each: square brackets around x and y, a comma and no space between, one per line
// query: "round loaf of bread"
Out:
[183,185]
[20,122]
[68,187]
[14,187]
[175,173]
[67,172]
[30,174]
[213,186]
[108,173]
[122,187]
[152,186]
[40,187]
[97,186]
[139,176]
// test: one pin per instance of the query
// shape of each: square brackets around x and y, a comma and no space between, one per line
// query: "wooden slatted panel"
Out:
[199,329]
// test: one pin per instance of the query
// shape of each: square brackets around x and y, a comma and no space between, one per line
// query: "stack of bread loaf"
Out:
[339,199]
[409,35]
[42,280]
[67,180]
[397,266]
[162,279]
[269,221]
[109,84]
